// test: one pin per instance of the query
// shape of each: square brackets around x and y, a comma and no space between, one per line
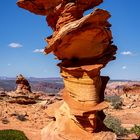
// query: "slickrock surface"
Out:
[28,118]
[84,46]
[130,100]
[129,117]
[131,96]
[32,118]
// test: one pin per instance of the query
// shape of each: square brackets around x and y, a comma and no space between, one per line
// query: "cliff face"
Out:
[84,46]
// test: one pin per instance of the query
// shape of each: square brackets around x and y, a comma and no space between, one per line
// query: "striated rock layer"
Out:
[84,46]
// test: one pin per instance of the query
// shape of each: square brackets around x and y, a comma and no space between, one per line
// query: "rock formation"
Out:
[84,46]
[23,93]
[23,85]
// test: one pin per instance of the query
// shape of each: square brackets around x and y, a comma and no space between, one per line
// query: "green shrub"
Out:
[12,135]
[115,101]
[136,130]
[117,105]
[115,125]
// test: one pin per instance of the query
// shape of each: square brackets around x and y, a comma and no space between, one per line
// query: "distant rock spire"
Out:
[23,85]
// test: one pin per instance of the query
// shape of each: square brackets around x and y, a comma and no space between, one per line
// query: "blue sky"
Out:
[22,37]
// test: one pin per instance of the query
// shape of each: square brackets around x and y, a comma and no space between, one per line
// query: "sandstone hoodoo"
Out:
[23,93]
[23,85]
[84,46]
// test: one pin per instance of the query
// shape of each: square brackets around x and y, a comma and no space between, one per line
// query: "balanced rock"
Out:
[84,46]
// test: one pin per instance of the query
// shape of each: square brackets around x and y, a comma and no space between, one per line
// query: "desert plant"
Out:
[117,105]
[136,130]
[116,101]
[12,135]
[115,125]
[112,98]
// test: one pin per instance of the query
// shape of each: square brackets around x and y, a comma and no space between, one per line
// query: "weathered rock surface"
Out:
[130,100]
[88,37]
[21,98]
[67,126]
[46,7]
[27,118]
[84,44]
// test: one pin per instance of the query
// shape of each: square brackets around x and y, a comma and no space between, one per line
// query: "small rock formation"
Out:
[130,100]
[23,93]
[84,46]
[131,96]
[23,85]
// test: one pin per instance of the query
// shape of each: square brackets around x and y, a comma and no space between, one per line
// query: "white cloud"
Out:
[126,53]
[38,51]
[9,64]
[15,45]
[124,67]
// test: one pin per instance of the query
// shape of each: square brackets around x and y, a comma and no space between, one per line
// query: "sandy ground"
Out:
[32,118]
[128,117]
[28,118]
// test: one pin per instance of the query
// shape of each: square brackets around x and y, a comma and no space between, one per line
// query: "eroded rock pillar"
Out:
[84,45]
[80,116]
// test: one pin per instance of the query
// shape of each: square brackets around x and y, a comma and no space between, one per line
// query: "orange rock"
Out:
[84,44]
[87,37]
[41,7]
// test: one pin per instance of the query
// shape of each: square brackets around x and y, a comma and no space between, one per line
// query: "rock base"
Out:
[67,131]
[66,127]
